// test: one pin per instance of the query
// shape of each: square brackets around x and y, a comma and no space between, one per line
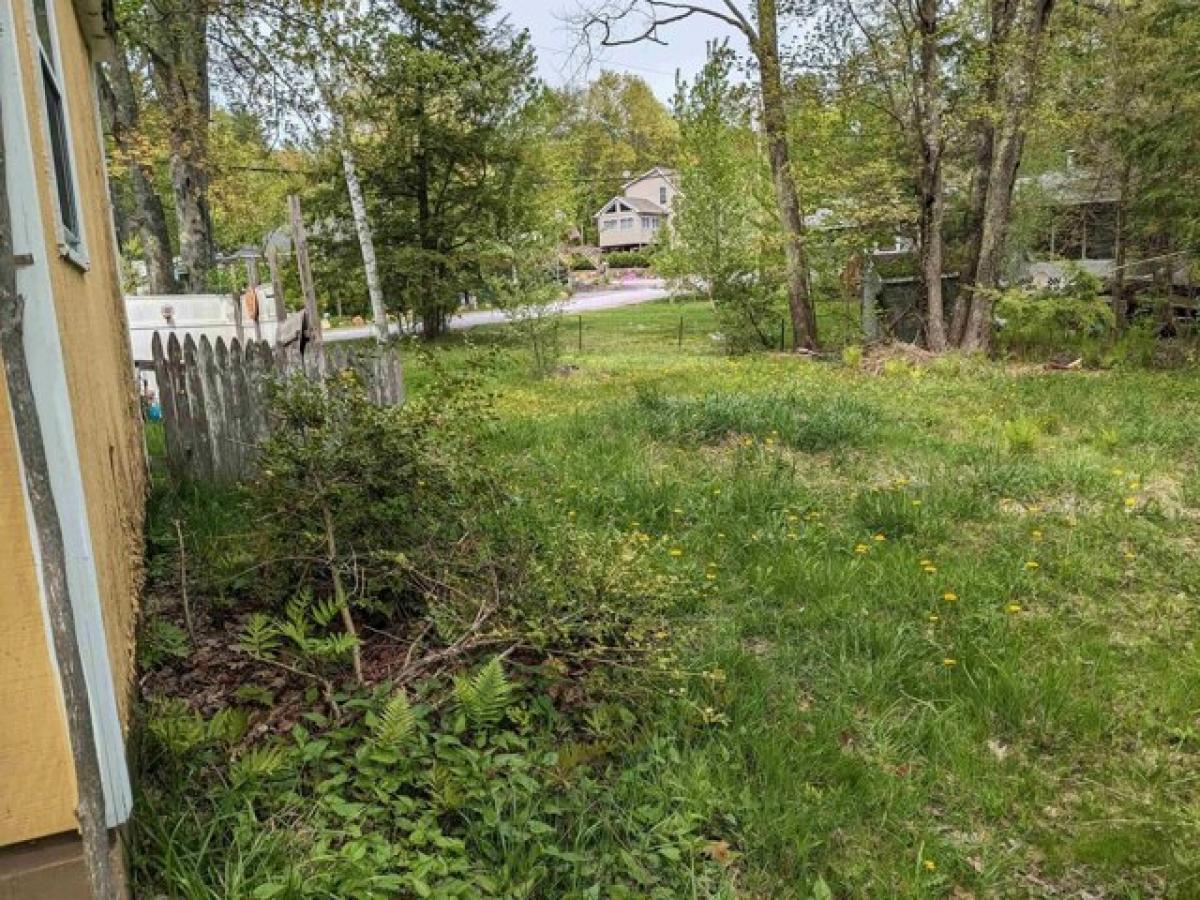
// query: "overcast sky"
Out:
[559,63]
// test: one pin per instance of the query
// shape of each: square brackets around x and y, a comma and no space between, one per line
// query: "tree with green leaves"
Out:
[724,233]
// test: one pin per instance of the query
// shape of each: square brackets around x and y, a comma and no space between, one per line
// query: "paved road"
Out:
[626,296]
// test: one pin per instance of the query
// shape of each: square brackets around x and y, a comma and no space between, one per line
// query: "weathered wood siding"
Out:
[215,404]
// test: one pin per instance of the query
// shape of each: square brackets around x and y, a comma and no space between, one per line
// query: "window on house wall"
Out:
[607,224]
[627,223]
[662,196]
[56,121]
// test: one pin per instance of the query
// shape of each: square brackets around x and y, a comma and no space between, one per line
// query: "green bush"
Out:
[580,263]
[1074,319]
[628,259]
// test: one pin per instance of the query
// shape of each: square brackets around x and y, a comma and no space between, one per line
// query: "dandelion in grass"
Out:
[1130,502]
[676,551]
[935,618]
[793,518]
[929,865]
[881,537]
[1036,534]
[571,514]
[861,549]
[916,503]
[950,596]
[677,511]
[1032,564]
[1013,608]
[949,662]
[716,492]
[1130,555]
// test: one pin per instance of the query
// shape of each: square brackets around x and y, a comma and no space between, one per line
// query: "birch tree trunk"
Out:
[787,197]
[366,239]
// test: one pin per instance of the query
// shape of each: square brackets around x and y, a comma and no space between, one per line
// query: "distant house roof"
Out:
[1074,186]
[657,171]
[632,204]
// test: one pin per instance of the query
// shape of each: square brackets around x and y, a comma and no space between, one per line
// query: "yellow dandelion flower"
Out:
[916,503]
[711,576]
[861,548]
[1130,502]
[949,596]
[793,518]
[1032,564]
[1013,608]
[571,514]
[677,511]
[934,617]
[1036,534]
[676,551]
[949,662]
[930,865]
[716,491]
[881,537]
[930,570]
[1129,554]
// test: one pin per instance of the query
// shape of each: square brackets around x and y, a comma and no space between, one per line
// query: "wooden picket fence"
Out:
[215,399]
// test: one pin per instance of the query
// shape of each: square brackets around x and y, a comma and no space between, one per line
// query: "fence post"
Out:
[300,242]
[172,437]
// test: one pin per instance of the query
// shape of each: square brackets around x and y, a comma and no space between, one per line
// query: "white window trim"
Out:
[75,252]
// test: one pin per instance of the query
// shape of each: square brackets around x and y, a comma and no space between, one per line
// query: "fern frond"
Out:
[324,612]
[396,721]
[228,725]
[259,637]
[260,762]
[484,698]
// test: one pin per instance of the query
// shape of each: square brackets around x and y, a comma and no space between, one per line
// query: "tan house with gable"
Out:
[637,216]
[63,263]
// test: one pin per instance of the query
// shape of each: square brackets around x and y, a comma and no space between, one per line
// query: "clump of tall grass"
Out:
[809,424]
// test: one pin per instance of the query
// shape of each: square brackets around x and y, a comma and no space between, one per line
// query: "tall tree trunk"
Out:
[179,64]
[1013,52]
[1121,251]
[366,239]
[120,101]
[933,204]
[787,197]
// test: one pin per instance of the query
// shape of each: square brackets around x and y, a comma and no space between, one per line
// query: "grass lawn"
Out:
[946,616]
[931,633]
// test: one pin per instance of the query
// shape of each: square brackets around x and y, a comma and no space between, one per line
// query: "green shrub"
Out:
[1022,435]
[580,263]
[852,356]
[628,259]
[1073,319]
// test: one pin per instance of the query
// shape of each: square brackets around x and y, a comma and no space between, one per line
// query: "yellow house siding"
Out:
[37,787]
[95,345]
[37,780]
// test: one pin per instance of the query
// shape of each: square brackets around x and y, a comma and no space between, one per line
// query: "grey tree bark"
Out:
[177,46]
[120,101]
[1014,46]
[933,200]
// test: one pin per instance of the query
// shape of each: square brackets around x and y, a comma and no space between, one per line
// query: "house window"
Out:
[56,120]
[627,223]
[662,196]
[607,224]
[650,223]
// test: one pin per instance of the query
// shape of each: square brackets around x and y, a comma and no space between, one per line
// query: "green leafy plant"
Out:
[484,696]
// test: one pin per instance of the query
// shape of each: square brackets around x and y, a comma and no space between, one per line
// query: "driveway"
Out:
[639,292]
